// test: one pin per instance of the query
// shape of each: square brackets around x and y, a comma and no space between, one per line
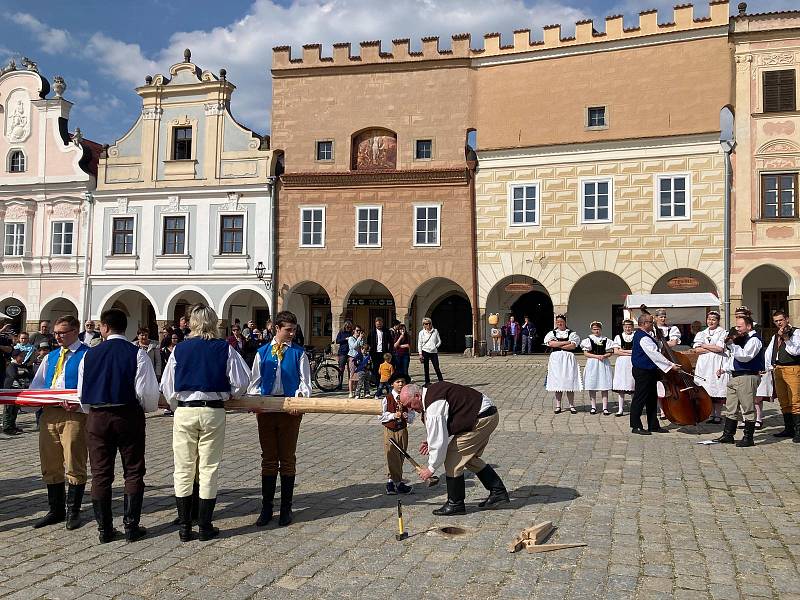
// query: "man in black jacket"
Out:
[18,377]
[380,341]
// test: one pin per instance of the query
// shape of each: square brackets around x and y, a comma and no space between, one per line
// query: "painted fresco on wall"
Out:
[375,149]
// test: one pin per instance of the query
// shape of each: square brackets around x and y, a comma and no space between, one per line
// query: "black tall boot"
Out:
[788,426]
[184,506]
[796,438]
[74,499]
[287,493]
[747,438]
[195,501]
[105,520]
[133,513]
[57,512]
[268,483]
[729,428]
[456,493]
[492,482]
[204,516]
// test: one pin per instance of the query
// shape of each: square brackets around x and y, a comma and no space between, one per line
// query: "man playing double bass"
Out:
[783,357]
[648,363]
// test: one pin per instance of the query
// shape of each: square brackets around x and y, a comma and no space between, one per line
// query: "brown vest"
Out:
[394,424]
[464,404]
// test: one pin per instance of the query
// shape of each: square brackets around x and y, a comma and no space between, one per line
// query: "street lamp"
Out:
[260,274]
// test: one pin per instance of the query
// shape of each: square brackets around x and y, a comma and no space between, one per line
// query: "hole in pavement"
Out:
[452,531]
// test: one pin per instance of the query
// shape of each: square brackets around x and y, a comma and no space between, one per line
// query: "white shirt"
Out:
[711,337]
[428,341]
[39,383]
[586,345]
[561,335]
[622,337]
[735,352]
[237,371]
[390,416]
[669,332]
[792,346]
[650,348]
[145,383]
[304,389]
[436,425]
[379,340]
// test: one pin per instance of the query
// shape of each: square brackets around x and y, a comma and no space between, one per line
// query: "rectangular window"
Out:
[62,238]
[368,226]
[596,116]
[15,239]
[779,91]
[231,234]
[779,196]
[312,227]
[426,225]
[174,241]
[182,143]
[423,150]
[524,204]
[673,197]
[325,150]
[122,236]
[596,206]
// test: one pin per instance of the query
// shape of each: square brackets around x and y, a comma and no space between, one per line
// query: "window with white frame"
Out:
[368,226]
[16,162]
[426,225]
[15,239]
[231,236]
[61,240]
[524,204]
[597,201]
[174,237]
[122,236]
[673,197]
[312,227]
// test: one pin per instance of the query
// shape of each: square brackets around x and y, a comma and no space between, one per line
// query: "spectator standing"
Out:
[43,335]
[513,335]
[428,343]
[24,344]
[183,325]
[89,333]
[18,377]
[267,333]
[236,339]
[343,349]
[380,342]
[402,349]
[354,343]
[150,347]
[528,331]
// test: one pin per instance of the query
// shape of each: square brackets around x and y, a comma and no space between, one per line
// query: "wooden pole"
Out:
[339,406]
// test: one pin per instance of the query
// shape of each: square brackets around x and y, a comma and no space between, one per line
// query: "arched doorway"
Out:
[179,303]
[538,307]
[765,289]
[15,310]
[452,317]
[368,300]
[598,296]
[58,307]
[520,295]
[245,304]
[139,310]
[311,304]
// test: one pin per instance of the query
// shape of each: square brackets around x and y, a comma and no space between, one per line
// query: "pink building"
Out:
[46,180]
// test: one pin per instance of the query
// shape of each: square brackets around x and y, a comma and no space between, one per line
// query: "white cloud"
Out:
[78,89]
[120,60]
[51,40]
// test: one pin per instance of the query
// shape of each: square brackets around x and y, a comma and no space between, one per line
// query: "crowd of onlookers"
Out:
[513,337]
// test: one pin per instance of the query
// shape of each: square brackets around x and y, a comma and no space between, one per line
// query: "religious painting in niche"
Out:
[374,149]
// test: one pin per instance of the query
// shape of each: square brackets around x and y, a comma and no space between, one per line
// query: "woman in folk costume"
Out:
[623,368]
[563,374]
[597,375]
[671,336]
[710,345]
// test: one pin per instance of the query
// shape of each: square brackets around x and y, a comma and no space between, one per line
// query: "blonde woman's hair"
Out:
[203,322]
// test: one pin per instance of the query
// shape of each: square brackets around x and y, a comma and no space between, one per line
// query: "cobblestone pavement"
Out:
[663,517]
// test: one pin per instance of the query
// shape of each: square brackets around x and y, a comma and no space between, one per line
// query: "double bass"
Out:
[685,403]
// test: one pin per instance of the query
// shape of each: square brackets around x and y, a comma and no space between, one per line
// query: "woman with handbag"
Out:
[428,344]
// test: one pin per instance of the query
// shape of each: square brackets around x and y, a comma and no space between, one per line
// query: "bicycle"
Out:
[324,369]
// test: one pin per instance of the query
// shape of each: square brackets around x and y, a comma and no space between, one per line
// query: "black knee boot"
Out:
[492,482]
[205,514]
[287,494]
[105,520]
[132,516]
[747,439]
[74,499]
[729,428]
[268,483]
[184,506]
[788,426]
[455,498]
[58,511]
[796,419]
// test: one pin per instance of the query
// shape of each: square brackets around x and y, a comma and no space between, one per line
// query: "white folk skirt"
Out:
[707,366]
[597,375]
[623,375]
[563,374]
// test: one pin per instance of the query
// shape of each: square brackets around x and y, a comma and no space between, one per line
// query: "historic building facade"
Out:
[183,208]
[375,212]
[46,181]
[766,221]
[603,174]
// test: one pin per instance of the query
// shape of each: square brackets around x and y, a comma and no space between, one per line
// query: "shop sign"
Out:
[13,311]
[370,302]
[518,288]
[683,283]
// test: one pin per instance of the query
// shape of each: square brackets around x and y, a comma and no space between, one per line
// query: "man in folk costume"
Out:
[709,344]
[395,421]
[62,431]
[118,385]
[783,358]
[280,369]
[647,363]
[458,422]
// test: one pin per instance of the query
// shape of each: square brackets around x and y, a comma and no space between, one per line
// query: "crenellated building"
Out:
[47,176]
[183,208]
[766,215]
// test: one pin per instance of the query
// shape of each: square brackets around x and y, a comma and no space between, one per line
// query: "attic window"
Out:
[16,163]
[182,143]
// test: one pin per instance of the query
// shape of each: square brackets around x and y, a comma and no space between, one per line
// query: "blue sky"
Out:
[104,49]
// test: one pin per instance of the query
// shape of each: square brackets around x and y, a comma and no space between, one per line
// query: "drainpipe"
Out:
[87,257]
[477,330]
[727,142]
[272,188]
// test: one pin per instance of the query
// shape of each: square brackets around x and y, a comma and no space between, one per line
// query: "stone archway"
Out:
[764,290]
[452,317]
[597,296]
[311,304]
[18,314]
[367,300]
[521,296]
[139,310]
[180,301]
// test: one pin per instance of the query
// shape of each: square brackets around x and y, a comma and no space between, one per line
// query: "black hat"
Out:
[16,352]
[406,379]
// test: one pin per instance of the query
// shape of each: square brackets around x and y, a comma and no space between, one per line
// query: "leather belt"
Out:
[201,404]
[743,373]
[492,410]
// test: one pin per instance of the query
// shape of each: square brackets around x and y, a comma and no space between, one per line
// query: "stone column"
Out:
[794,310]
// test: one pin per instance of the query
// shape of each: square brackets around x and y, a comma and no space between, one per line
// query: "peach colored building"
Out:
[46,184]
[375,208]
[766,216]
